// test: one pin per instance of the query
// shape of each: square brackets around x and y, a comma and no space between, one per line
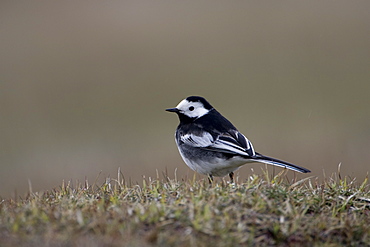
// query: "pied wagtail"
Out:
[211,145]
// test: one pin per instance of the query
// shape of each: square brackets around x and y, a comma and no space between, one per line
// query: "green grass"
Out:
[262,211]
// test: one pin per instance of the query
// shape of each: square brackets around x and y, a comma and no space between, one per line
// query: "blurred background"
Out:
[84,85]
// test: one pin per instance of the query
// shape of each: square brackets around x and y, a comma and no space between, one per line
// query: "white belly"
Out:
[216,166]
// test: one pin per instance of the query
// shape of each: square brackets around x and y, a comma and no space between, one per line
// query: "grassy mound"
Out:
[262,211]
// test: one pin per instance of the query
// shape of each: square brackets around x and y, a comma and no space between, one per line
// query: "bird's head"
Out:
[192,107]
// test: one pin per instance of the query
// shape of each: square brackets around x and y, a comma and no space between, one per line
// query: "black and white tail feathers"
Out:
[280,163]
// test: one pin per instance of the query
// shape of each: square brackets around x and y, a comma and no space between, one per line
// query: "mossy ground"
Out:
[262,211]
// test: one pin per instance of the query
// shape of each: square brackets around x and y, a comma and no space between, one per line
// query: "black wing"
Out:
[232,143]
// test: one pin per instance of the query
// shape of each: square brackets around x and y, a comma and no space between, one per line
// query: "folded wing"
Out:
[232,142]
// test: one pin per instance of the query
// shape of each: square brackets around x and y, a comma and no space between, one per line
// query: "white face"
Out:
[192,109]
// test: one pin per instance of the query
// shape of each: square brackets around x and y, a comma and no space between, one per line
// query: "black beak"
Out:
[172,110]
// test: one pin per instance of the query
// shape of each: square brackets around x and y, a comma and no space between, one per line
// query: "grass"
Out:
[262,211]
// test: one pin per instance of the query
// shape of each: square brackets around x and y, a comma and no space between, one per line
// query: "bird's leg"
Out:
[231,175]
[210,178]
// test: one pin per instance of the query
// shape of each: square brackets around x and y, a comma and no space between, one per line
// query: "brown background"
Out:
[84,84]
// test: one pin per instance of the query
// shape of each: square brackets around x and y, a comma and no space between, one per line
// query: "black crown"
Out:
[201,100]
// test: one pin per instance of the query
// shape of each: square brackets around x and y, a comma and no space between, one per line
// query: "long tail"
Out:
[280,163]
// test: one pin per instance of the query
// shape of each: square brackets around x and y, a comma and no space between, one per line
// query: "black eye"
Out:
[191,108]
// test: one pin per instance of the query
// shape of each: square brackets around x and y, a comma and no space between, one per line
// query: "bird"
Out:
[211,145]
